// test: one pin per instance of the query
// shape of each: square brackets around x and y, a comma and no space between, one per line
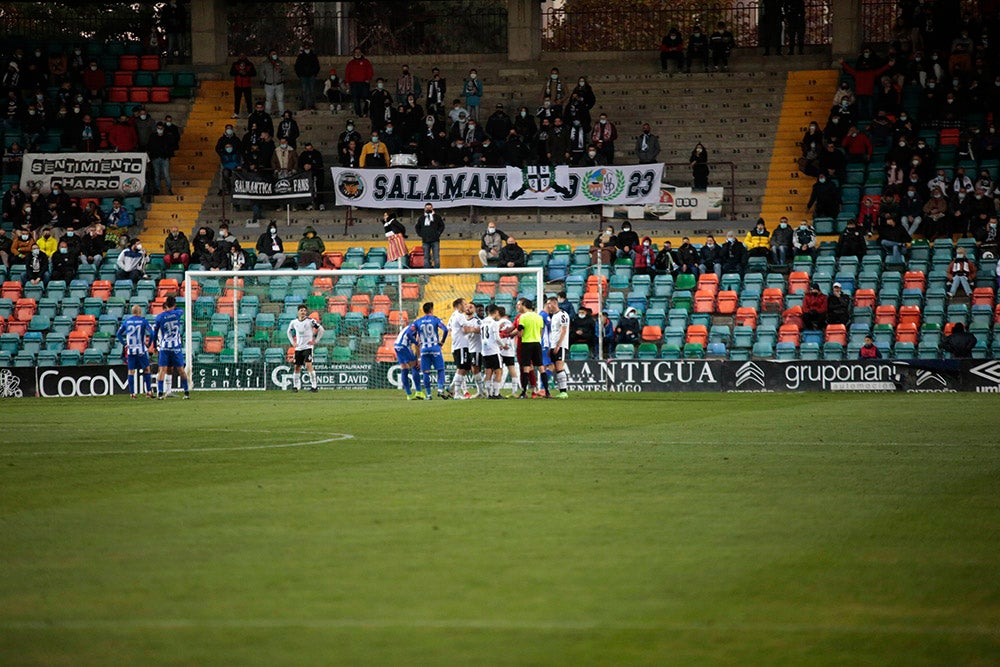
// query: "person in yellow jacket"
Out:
[374,153]
[47,242]
[758,240]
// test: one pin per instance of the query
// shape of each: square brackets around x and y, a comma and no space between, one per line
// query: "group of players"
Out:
[165,336]
[482,347]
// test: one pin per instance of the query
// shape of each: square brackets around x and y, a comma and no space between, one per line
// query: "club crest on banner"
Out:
[603,184]
[350,185]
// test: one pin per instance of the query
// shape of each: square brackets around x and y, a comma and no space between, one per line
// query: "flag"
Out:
[397,247]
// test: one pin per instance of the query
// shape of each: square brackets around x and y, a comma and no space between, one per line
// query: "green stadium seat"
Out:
[341,354]
[624,351]
[670,351]
[807,350]
[694,351]
[579,352]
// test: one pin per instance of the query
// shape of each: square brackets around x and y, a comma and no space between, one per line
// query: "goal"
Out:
[236,323]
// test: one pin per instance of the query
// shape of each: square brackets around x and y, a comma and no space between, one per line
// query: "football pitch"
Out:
[355,528]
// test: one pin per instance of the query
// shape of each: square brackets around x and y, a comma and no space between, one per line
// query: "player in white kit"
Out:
[558,343]
[303,333]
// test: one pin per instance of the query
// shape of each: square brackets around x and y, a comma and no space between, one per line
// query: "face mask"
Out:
[822,180]
[553,76]
[32,112]
[63,251]
[854,134]
[47,234]
[961,195]
[272,231]
[459,146]
[305,50]
[472,126]
[70,233]
[783,225]
[143,116]
[56,191]
[931,85]
[979,196]
[229,149]
[76,109]
[626,228]
[592,154]
[698,151]
[274,57]
[159,132]
[546,104]
[374,140]
[350,128]
[937,195]
[76,52]
[93,68]
[902,144]
[730,239]
[954,83]
[472,76]
[646,244]
[523,114]
[138,247]
[34,251]
[604,121]
[911,194]
[430,123]
[490,230]
[24,237]
[284,145]
[607,232]
[380,86]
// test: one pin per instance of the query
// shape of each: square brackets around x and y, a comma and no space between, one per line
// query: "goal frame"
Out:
[538,271]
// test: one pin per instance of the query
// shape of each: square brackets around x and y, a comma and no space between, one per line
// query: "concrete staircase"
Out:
[734,114]
[808,97]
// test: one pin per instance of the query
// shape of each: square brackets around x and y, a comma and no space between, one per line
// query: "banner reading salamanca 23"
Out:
[498,186]
[86,174]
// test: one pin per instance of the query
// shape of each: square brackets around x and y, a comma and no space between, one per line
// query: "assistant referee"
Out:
[529,326]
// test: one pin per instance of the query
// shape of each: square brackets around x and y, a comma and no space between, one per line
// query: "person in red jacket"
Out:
[122,136]
[857,145]
[866,72]
[93,82]
[645,257]
[243,73]
[814,308]
[358,75]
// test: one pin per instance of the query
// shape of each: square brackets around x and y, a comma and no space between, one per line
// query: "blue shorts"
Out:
[138,362]
[435,359]
[171,359]
[546,361]
[404,355]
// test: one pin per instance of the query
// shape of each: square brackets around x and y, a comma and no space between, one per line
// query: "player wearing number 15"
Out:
[303,333]
[431,333]
[167,332]
[134,334]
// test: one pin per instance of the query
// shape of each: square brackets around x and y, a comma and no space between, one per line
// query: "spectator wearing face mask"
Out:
[758,240]
[379,101]
[911,210]
[272,75]
[781,242]
[645,258]
[63,263]
[697,48]
[311,248]
[699,167]
[270,248]
[627,241]
[804,239]
[306,69]
[47,242]
[93,246]
[131,264]
[243,73]
[814,307]
[284,160]
[512,255]
[161,149]
[851,242]
[961,214]
[230,161]
[176,249]
[375,153]
[605,247]
[36,267]
[603,136]
[288,129]
[201,239]
[647,145]
[866,71]
[119,216]
[733,255]
[824,199]
[472,91]
[20,247]
[490,245]
[961,274]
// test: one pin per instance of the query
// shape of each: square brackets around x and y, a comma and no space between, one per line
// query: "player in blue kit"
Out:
[167,338]
[431,333]
[135,334]
[403,346]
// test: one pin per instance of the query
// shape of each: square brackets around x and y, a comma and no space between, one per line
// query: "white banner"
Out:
[674,204]
[86,174]
[498,187]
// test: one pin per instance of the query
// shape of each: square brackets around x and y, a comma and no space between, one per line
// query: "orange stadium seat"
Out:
[101,289]
[746,317]
[726,302]
[798,281]
[836,333]
[24,309]
[698,334]
[909,315]
[708,282]
[77,340]
[159,94]
[652,333]
[86,324]
[914,280]
[11,289]
[398,318]
[704,302]
[788,333]
[885,315]
[381,304]
[907,333]
[122,78]
[337,304]
[333,259]
[118,94]
[168,286]
[772,299]
[864,298]
[361,303]
[983,296]
[149,63]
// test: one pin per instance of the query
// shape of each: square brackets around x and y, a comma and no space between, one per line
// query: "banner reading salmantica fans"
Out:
[498,186]
[86,174]
[296,186]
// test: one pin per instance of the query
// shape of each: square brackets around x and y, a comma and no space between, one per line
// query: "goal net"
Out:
[236,323]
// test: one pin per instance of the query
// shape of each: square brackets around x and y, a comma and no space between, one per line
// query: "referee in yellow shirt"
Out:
[529,326]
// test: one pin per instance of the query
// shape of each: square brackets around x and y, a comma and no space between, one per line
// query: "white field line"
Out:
[334,437]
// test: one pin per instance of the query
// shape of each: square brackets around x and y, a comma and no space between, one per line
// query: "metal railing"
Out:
[452,26]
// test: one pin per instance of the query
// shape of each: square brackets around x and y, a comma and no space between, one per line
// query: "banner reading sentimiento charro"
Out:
[498,186]
[86,174]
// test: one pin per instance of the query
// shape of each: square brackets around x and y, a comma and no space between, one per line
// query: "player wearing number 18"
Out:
[303,333]
[167,334]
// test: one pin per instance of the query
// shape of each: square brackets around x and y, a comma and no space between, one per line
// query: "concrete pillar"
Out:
[524,30]
[847,31]
[209,44]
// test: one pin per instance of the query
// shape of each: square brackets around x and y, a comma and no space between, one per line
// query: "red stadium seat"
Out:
[907,333]
[772,300]
[118,94]
[652,333]
[11,289]
[704,302]
[746,317]
[885,315]
[138,95]
[150,63]
[798,281]
[381,304]
[698,334]
[159,94]
[726,302]
[24,309]
[122,79]
[864,298]
[337,304]
[836,333]
[909,315]
[333,259]
[128,62]
[708,282]
[361,303]
[86,324]
[788,333]
[914,280]
[983,296]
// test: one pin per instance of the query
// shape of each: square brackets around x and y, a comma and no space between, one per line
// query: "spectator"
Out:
[119,216]
[697,48]
[858,146]
[629,329]
[307,69]
[866,71]
[201,239]
[231,161]
[710,257]
[990,241]
[769,26]
[437,88]
[499,124]
[288,129]
[171,130]
[64,263]
[144,125]
[261,119]
[565,305]
[350,155]
[795,20]
[407,86]
[851,242]
[131,263]
[672,50]
[665,262]
[911,210]
[176,249]
[893,239]
[122,137]
[225,238]
[272,75]
[557,147]
[688,258]
[959,343]
[5,247]
[93,82]
[583,329]
[733,255]
[512,255]
[721,44]
[472,91]
[645,258]
[374,153]
[214,259]
[311,160]
[554,91]
[379,105]
[603,137]
[605,247]
[781,242]
[236,258]
[699,167]
[647,145]
[331,91]
[392,226]
[270,248]
[47,242]
[311,249]
[161,149]
[586,94]
[814,307]
[832,161]
[284,160]
[430,227]
[804,239]
[491,244]
[627,241]
[243,73]
[36,267]
[838,306]
[961,274]
[869,350]
[13,203]
[93,246]
[607,332]
[20,247]
[824,199]
[86,135]
[758,240]
[868,216]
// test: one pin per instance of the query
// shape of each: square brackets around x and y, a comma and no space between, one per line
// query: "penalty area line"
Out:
[334,437]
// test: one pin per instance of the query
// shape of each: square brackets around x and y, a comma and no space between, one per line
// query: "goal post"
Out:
[235,321]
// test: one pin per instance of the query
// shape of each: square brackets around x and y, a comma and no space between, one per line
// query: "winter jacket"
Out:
[512,254]
[176,245]
[757,240]
[804,238]
[47,244]
[864,79]
[851,243]
[131,260]
[962,267]
[645,258]
[430,233]
[272,72]
[814,303]
[314,244]
[268,245]
[123,137]
[781,237]
[306,64]
[493,243]
[358,70]
[243,73]
[733,257]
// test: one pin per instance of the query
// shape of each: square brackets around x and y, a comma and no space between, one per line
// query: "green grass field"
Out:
[360,529]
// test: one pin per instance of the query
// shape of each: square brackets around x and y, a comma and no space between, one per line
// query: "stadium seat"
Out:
[624,351]
[696,333]
[746,317]
[807,351]
[645,351]
[789,333]
[833,350]
[694,351]
[836,333]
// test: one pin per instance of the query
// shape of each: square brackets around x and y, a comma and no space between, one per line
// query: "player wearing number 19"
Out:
[134,334]
[303,334]
[431,334]
[167,332]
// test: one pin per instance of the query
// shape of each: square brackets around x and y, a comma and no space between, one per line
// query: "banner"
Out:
[545,186]
[86,174]
[297,186]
